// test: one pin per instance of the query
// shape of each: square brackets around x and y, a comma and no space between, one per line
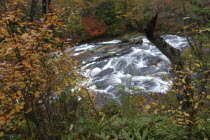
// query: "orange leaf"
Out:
[1,133]
[60,23]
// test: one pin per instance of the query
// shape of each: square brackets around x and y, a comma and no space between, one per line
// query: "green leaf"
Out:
[146,119]
[125,134]
[145,133]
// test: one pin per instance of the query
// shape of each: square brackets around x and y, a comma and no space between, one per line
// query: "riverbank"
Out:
[125,67]
[127,34]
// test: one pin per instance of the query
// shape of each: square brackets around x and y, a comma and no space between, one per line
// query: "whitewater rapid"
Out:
[141,69]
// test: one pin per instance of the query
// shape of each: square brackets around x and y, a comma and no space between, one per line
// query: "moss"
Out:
[125,39]
[137,41]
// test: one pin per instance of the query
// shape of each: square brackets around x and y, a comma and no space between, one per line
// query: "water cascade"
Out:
[142,68]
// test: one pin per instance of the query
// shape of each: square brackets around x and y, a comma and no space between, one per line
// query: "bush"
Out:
[39,84]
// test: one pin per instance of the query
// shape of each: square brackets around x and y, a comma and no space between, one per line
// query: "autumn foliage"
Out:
[34,74]
[42,90]
[93,26]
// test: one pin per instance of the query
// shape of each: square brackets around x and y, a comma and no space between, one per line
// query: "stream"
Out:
[141,68]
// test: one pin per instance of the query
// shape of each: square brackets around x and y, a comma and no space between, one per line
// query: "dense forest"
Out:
[42,90]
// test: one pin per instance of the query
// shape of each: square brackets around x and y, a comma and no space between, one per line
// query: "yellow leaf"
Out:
[12,112]
[1,22]
[37,94]
[2,122]
[163,106]
[1,133]
[60,23]
[186,27]
[18,107]
[183,81]
[8,121]
[22,85]
[25,36]
[48,24]
[2,96]
[18,74]
[26,64]
[147,107]
[186,114]
[198,65]
[19,93]
[22,104]
[8,116]
[155,112]
[20,123]
[196,105]
[58,92]
[13,129]
[180,120]
[17,110]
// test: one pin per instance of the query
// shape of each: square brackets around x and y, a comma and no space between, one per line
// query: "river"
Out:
[142,68]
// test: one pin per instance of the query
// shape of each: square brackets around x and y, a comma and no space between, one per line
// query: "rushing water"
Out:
[141,69]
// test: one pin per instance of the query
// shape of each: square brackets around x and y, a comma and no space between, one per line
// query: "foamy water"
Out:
[142,69]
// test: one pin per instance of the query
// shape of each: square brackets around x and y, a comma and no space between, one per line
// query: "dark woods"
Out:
[46,7]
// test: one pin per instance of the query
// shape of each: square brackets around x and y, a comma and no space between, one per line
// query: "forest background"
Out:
[39,89]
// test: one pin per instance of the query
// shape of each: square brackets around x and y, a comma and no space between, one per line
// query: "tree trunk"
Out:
[174,55]
[44,7]
[49,5]
[184,12]
[33,7]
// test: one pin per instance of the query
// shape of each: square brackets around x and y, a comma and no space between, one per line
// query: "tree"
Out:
[192,90]
[34,4]
[93,26]
[39,89]
[44,6]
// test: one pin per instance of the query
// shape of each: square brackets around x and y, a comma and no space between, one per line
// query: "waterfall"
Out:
[141,69]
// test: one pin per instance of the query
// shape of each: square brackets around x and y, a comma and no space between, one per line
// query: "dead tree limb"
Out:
[174,55]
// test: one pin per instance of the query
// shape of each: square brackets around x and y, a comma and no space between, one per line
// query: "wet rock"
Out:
[132,70]
[102,85]
[164,66]
[139,57]
[121,65]
[105,72]
[152,60]
[131,65]
[137,41]
[149,70]
[148,84]
[125,39]
[126,51]
[90,59]
[100,64]
[144,47]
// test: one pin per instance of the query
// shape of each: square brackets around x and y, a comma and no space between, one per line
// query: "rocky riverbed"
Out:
[131,66]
